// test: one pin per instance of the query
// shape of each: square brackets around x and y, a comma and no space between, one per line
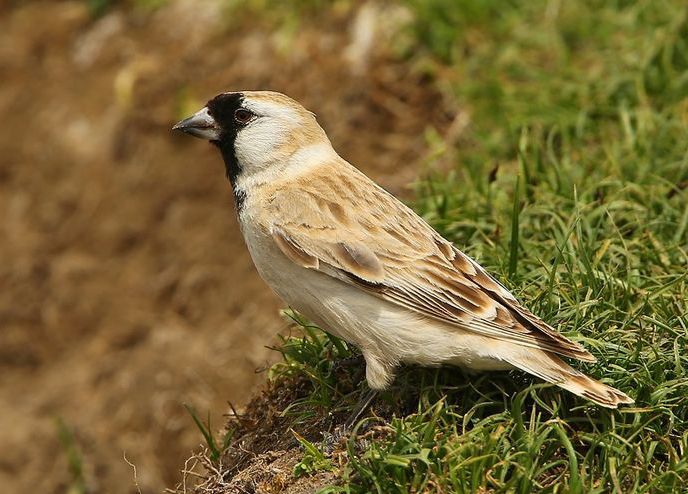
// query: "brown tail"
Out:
[552,369]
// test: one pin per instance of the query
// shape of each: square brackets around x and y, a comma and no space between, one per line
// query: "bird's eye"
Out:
[243,116]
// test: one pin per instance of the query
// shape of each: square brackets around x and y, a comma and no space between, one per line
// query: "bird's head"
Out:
[256,131]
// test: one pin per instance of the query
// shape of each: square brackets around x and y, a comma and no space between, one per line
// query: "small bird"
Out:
[355,260]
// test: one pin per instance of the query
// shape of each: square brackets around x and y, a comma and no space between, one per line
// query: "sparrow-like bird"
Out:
[363,266]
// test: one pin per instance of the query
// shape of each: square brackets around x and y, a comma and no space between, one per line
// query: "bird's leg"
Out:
[348,362]
[360,409]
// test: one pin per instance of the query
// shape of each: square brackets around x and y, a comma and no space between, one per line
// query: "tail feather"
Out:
[551,368]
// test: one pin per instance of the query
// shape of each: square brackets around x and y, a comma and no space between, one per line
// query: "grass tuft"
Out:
[215,447]
[74,457]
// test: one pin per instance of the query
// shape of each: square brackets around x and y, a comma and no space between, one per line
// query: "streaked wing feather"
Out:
[387,250]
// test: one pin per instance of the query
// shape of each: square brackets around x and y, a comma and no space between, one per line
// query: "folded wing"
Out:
[347,227]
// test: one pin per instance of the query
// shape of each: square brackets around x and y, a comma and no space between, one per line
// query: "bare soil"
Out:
[125,288]
[264,449]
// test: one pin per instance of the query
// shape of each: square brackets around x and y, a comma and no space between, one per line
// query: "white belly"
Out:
[379,328]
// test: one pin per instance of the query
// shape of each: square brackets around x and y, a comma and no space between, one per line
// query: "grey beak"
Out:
[200,124]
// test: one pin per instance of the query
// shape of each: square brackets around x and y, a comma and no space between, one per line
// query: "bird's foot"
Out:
[333,439]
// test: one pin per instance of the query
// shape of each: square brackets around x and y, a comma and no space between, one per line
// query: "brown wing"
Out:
[346,226]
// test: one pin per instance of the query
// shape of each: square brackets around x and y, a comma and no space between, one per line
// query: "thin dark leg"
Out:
[360,409]
[349,362]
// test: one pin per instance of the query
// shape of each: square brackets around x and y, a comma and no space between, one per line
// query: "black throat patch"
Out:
[222,108]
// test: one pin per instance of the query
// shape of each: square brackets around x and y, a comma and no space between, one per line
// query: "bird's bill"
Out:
[200,124]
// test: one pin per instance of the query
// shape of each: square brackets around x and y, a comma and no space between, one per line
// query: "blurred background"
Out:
[125,287]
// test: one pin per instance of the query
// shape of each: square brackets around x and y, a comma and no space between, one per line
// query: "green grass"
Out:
[571,186]
[74,457]
[215,445]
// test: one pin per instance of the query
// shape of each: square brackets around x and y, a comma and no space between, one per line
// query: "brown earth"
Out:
[125,289]
[264,451]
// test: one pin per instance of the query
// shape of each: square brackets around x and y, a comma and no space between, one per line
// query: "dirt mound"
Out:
[126,289]
[290,437]
[264,449]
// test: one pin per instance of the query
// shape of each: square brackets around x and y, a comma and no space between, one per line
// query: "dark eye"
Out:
[243,116]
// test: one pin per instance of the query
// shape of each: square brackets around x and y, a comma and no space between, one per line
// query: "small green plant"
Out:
[215,447]
[316,355]
[74,458]
[313,460]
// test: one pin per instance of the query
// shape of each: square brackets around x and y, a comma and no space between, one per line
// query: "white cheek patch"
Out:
[260,142]
[257,144]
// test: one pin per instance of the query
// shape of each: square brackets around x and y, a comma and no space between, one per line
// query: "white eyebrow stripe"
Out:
[269,108]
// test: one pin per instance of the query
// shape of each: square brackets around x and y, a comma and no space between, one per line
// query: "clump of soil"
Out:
[267,473]
[265,443]
[264,450]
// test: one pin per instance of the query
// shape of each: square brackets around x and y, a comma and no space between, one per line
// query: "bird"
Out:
[363,266]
